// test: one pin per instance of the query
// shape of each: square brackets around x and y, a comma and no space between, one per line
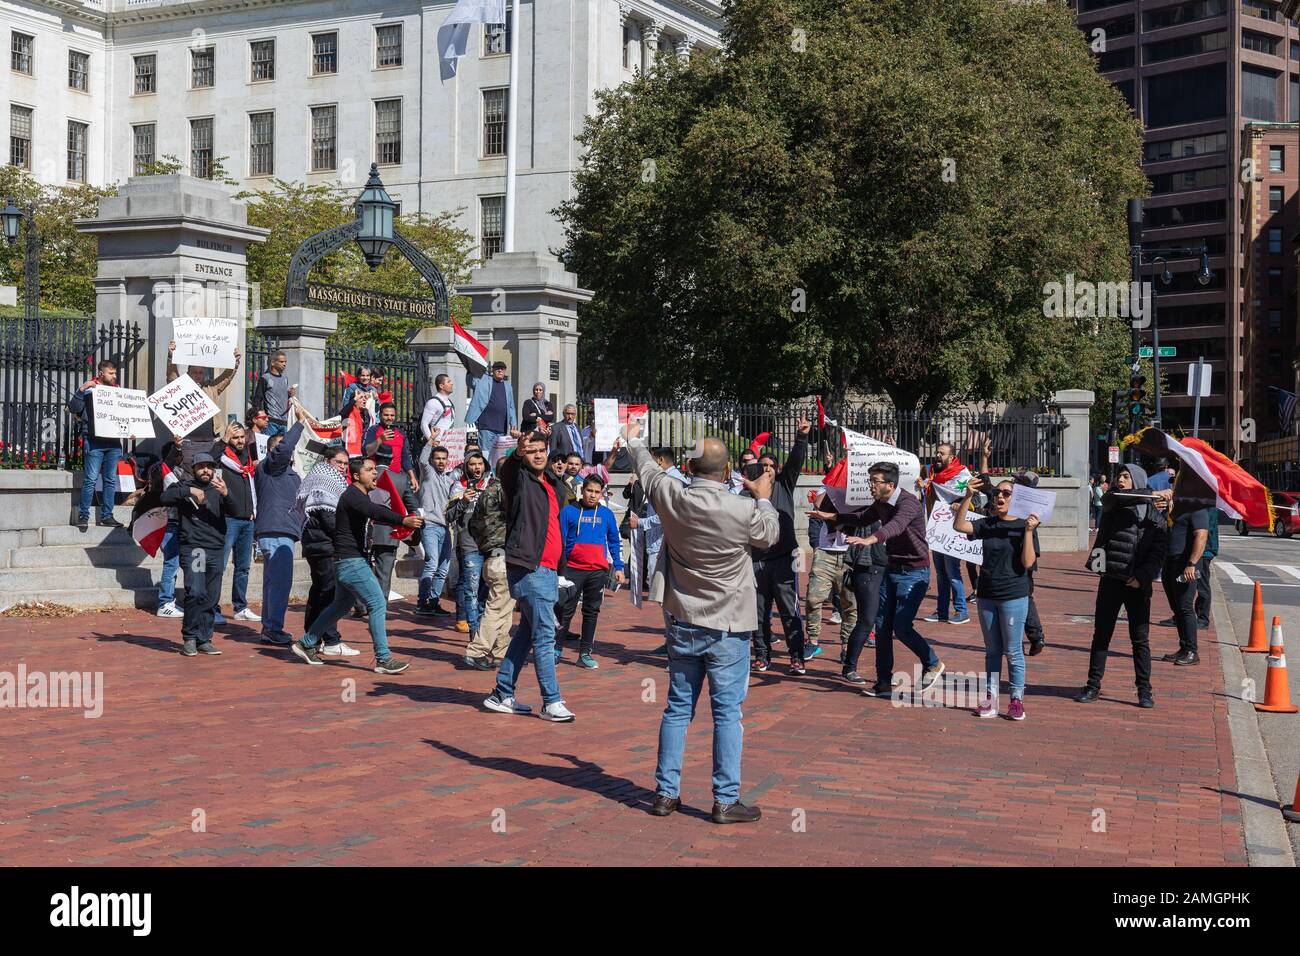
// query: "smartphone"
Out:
[752,471]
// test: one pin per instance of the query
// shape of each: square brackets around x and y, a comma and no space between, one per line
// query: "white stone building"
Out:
[316,90]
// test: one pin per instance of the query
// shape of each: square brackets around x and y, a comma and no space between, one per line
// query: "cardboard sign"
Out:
[865,452]
[1026,501]
[182,406]
[121,412]
[941,537]
[606,423]
[453,439]
[205,340]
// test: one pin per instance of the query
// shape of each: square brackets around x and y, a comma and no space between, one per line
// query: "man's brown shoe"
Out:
[664,805]
[735,813]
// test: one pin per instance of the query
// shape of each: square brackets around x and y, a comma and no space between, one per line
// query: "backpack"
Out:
[488,522]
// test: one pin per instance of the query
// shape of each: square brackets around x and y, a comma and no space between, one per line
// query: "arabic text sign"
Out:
[1026,501]
[121,413]
[940,536]
[182,406]
[453,439]
[205,340]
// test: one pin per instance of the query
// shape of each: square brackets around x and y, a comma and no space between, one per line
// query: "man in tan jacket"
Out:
[706,577]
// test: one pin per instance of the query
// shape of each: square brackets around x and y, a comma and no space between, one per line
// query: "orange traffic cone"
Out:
[1292,812]
[1277,692]
[1258,642]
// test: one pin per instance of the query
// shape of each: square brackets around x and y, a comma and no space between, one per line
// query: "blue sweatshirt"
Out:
[589,534]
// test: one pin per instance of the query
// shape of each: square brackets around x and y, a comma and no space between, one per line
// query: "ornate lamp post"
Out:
[375,209]
[12,218]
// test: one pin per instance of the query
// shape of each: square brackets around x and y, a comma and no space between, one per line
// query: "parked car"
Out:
[1286,514]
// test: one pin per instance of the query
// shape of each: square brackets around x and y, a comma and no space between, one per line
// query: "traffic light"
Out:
[1137,394]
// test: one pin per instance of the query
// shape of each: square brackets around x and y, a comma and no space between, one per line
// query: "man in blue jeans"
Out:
[277,528]
[436,483]
[534,547]
[100,455]
[240,508]
[705,579]
[492,409]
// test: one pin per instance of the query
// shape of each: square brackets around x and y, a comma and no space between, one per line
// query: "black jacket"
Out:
[201,525]
[527,510]
[239,502]
[318,534]
[783,501]
[1131,536]
[859,557]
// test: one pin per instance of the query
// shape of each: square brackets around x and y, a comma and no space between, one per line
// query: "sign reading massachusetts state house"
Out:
[348,299]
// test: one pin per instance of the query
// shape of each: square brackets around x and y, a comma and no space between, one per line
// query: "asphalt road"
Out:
[1275,563]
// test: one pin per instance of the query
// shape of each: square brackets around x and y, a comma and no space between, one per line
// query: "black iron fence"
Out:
[42,363]
[1016,439]
[403,378]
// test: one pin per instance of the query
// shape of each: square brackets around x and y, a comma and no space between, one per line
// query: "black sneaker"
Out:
[1088,694]
[1203,625]
[209,648]
[308,654]
[1167,622]
[83,522]
[735,813]
[390,665]
[437,610]
[424,609]
[109,522]
[1145,700]
[797,666]
[853,677]
[878,689]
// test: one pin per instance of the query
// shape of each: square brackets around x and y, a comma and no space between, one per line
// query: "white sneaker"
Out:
[836,618]
[247,614]
[507,706]
[557,712]
[170,610]
[394,596]
[339,650]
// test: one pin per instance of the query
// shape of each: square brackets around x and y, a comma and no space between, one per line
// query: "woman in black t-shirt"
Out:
[1010,551]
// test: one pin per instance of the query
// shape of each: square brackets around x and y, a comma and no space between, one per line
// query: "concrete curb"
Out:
[1267,840]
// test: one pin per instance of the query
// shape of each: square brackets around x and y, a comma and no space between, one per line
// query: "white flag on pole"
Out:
[453,35]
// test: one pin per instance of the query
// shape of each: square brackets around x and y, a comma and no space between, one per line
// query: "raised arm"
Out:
[793,467]
[279,458]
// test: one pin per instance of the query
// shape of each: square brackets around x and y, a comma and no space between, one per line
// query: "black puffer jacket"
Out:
[318,534]
[1131,536]
[860,557]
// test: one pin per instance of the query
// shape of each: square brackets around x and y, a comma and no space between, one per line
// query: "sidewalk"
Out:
[272,764]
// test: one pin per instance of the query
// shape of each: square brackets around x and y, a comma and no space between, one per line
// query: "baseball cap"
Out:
[202,458]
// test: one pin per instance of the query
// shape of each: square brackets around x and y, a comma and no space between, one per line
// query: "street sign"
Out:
[1145,351]
[1113,454]
[1198,379]
[1168,351]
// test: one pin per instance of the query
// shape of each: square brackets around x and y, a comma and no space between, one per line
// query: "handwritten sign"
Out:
[121,413]
[182,406]
[453,439]
[606,422]
[940,536]
[205,340]
[261,438]
[505,445]
[865,452]
[1026,501]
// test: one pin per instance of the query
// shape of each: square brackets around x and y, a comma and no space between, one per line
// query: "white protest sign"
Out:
[121,413]
[453,439]
[505,445]
[261,438]
[606,423]
[1026,501]
[941,537]
[205,340]
[182,406]
[865,452]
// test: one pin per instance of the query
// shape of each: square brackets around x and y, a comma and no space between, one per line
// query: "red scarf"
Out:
[230,460]
[947,474]
[480,484]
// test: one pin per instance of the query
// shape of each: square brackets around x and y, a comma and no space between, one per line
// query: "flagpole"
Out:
[512,125]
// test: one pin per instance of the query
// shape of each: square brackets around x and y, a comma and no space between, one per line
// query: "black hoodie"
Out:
[1131,536]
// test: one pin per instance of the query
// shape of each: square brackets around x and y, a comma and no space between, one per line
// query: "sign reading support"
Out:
[182,406]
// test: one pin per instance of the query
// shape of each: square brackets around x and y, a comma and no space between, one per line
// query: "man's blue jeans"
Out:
[277,579]
[437,561]
[951,586]
[354,582]
[99,461]
[471,574]
[535,593]
[693,654]
[239,539]
[1003,624]
[171,552]
[900,597]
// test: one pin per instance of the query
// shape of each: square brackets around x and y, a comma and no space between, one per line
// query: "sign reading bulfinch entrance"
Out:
[182,406]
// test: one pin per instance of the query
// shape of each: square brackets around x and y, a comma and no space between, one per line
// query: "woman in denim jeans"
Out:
[1010,551]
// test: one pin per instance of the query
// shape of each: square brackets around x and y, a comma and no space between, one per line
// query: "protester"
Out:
[951,589]
[277,527]
[774,572]
[534,548]
[318,500]
[1203,597]
[357,421]
[649,522]
[492,408]
[907,576]
[706,581]
[204,435]
[591,545]
[388,493]
[828,577]
[1010,550]
[162,474]
[435,492]
[1094,493]
[536,409]
[488,528]
[386,432]
[272,394]
[258,433]
[202,521]
[439,415]
[465,495]
[867,567]
[559,467]
[1189,534]
[1127,552]
[566,438]
[364,383]
[100,455]
[1161,476]
[1033,626]
[239,506]
[354,580]
[573,476]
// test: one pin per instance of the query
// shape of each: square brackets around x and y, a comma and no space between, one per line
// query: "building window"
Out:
[1115,59]
[142,148]
[1186,146]
[1184,46]
[262,60]
[77,151]
[1275,241]
[1265,11]
[1259,42]
[1275,320]
[324,138]
[20,137]
[202,68]
[494,122]
[492,224]
[21,53]
[78,71]
[1186,96]
[1182,13]
[261,144]
[1188,179]
[1259,93]
[1276,159]
[496,37]
[1275,281]
[388,132]
[145,68]
[1274,198]
[388,45]
[324,53]
[627,46]
[201,148]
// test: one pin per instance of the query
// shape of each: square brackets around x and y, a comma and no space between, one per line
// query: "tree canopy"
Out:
[863,196]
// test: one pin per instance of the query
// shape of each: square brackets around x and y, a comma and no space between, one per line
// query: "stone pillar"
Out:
[526,305]
[1075,405]
[650,32]
[302,333]
[682,46]
[435,347]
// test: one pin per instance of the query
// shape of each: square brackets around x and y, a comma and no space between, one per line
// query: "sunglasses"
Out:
[1001,494]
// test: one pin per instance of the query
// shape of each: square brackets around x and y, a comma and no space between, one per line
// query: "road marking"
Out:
[1233,572]
[1287,569]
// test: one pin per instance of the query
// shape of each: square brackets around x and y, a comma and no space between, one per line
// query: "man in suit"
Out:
[492,408]
[705,579]
[566,436]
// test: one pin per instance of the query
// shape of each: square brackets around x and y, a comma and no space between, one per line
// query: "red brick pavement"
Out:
[285,771]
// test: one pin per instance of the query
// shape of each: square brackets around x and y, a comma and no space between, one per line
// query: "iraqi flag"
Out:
[149,517]
[1210,476]
[385,484]
[125,481]
[470,349]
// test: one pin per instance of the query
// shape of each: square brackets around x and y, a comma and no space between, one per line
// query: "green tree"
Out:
[862,196]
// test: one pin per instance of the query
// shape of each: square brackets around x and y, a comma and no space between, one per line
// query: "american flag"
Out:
[1285,406]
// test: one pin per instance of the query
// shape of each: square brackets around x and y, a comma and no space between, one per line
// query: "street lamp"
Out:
[375,209]
[11,217]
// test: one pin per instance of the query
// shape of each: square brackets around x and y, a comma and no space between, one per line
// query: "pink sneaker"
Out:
[988,709]
[1017,710]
